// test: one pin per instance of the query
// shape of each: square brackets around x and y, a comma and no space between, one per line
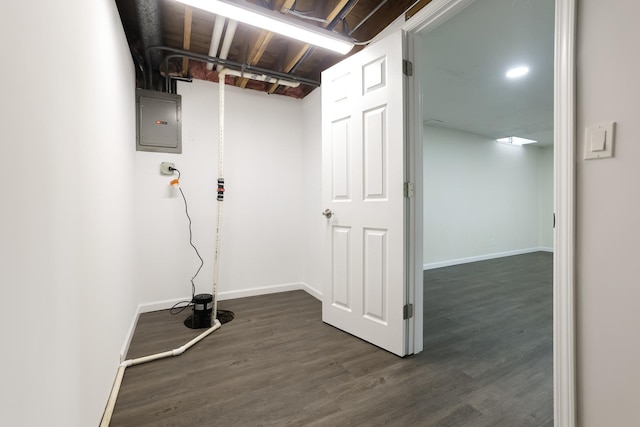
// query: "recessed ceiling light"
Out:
[515,140]
[516,72]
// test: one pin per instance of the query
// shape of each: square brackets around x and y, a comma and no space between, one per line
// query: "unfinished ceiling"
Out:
[187,35]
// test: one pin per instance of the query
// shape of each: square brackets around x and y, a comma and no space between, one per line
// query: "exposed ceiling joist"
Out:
[257,51]
[336,10]
[260,45]
[180,28]
[416,8]
[287,5]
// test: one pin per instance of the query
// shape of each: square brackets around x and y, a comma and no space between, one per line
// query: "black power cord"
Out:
[224,316]
[177,309]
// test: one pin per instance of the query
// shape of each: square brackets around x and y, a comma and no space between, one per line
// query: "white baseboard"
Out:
[148,307]
[251,292]
[312,291]
[166,304]
[448,263]
[127,339]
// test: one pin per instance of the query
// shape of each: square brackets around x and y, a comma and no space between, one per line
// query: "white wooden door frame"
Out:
[564,386]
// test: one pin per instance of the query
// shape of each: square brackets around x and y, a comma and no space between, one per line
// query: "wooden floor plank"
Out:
[487,360]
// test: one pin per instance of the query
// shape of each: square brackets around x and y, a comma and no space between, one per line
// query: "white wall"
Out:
[608,213]
[481,199]
[315,223]
[66,258]
[262,231]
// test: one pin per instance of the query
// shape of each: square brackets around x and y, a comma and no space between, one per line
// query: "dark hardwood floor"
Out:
[487,360]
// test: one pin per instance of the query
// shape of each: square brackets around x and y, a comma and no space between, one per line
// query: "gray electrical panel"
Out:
[158,122]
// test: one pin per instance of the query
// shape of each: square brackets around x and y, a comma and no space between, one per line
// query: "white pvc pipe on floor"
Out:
[111,403]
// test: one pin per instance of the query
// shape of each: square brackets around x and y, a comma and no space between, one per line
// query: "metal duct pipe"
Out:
[218,26]
[150,21]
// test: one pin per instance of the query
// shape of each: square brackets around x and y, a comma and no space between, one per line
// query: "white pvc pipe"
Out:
[221,86]
[113,397]
[111,403]
[216,259]
[228,38]
[218,26]
[224,54]
[261,77]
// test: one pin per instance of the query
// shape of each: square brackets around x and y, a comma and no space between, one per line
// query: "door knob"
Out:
[327,213]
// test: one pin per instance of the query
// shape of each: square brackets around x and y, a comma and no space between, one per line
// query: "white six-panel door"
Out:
[363,194]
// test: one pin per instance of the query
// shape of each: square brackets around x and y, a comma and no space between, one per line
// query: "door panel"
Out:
[341,276]
[340,167]
[363,187]
[375,159]
[375,277]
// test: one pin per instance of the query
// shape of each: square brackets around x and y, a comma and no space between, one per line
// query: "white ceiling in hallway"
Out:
[464,62]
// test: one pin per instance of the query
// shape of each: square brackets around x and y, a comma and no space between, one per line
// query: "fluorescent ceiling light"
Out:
[515,140]
[516,72]
[275,22]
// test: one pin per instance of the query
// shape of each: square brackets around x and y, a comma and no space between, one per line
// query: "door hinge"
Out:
[407,67]
[407,311]
[408,189]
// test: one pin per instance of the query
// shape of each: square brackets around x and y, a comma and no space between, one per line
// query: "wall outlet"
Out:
[164,168]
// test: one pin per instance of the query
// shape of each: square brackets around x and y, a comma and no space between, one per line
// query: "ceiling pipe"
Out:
[150,22]
[138,60]
[366,18]
[228,39]
[266,76]
[180,53]
[258,77]
[340,16]
[218,26]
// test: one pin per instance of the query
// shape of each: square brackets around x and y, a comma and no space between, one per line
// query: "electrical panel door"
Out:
[159,124]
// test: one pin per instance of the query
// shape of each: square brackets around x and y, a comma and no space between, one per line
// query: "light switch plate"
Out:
[599,140]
